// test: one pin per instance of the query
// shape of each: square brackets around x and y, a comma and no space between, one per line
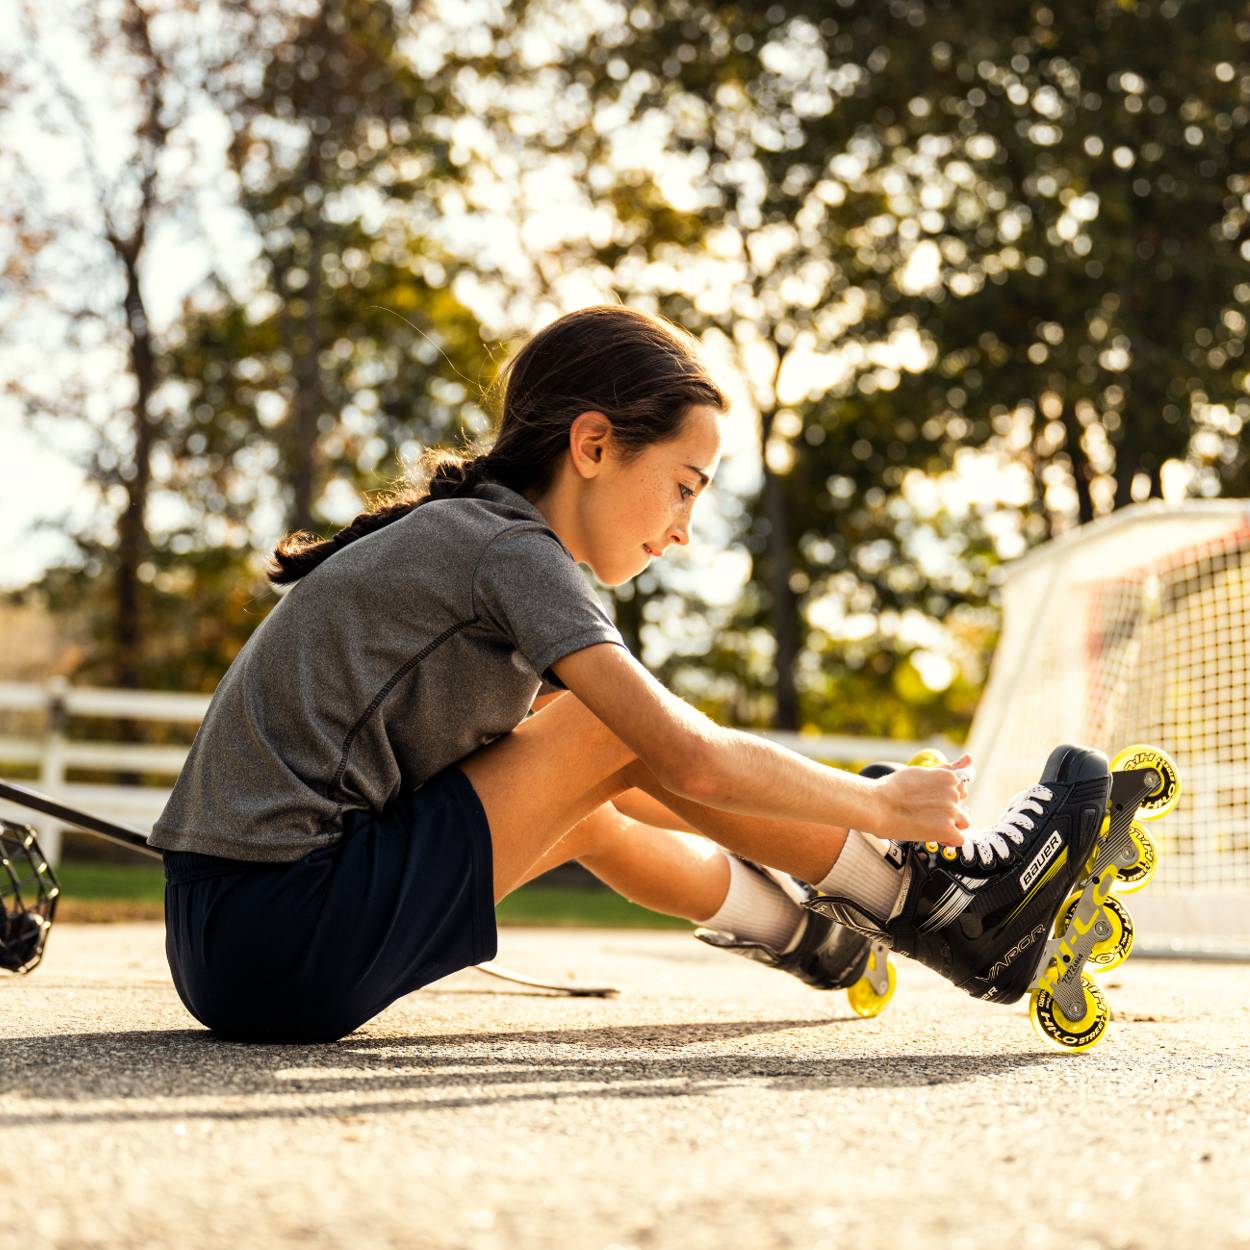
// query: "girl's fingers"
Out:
[933,799]
[962,767]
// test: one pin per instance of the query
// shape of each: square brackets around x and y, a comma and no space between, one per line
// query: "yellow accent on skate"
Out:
[1113,950]
[1167,794]
[1105,909]
[1137,875]
[1069,1036]
[864,999]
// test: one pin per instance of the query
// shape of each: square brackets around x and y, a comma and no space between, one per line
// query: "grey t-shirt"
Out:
[403,652]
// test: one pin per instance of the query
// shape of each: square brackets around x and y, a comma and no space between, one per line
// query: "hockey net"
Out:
[1136,629]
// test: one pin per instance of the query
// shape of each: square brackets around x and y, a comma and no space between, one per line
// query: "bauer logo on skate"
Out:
[1040,860]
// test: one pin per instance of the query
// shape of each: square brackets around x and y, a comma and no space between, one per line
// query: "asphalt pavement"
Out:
[712,1104]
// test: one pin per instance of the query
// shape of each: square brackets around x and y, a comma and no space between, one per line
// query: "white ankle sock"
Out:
[865,873]
[756,909]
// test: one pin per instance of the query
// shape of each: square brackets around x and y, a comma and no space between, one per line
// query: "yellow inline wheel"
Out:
[1138,874]
[1168,792]
[1065,1035]
[864,999]
[1112,950]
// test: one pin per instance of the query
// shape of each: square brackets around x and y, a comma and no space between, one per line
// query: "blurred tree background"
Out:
[973,275]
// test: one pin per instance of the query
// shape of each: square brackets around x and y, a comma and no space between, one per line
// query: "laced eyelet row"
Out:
[1000,838]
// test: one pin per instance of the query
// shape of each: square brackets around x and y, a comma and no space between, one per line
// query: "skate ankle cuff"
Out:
[863,874]
[847,912]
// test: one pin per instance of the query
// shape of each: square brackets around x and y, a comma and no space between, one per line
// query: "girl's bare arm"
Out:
[739,772]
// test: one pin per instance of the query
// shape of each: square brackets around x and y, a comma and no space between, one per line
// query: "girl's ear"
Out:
[590,437]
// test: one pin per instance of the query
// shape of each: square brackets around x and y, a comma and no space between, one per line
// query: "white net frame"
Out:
[1136,628]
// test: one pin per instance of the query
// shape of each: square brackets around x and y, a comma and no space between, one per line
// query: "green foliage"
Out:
[1049,199]
[1019,231]
[579,907]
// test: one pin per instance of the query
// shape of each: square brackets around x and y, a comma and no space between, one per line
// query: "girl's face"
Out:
[631,511]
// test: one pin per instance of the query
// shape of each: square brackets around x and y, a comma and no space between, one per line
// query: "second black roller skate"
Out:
[823,954]
[826,955]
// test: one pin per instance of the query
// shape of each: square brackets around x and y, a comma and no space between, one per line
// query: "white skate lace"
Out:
[1011,828]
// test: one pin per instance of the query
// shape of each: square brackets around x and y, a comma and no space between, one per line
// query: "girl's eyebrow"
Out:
[703,476]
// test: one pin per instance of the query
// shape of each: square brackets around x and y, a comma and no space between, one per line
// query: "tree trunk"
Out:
[785,606]
[306,346]
[1081,471]
[132,533]
[1125,470]
[1038,505]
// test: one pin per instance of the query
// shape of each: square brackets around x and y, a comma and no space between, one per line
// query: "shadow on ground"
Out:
[191,1065]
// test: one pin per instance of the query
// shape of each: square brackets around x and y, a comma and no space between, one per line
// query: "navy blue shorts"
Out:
[308,951]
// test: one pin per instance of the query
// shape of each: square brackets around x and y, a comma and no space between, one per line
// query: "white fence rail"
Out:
[56,755]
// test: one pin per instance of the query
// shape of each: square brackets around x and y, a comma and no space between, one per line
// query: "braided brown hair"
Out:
[641,371]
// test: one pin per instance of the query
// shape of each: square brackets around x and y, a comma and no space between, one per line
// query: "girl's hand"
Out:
[923,804]
[962,767]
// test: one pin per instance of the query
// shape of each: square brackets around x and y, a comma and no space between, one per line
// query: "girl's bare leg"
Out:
[677,873]
[556,768]
[538,781]
[654,856]
[807,851]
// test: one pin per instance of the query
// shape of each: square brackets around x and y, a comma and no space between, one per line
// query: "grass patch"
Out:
[104,893]
[101,893]
[85,880]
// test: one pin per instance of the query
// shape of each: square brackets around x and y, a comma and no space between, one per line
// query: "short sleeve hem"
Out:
[566,646]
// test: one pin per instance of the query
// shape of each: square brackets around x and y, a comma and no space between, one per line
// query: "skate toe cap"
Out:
[1070,764]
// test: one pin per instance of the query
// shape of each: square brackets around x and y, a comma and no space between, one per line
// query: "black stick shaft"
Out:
[137,841]
[123,834]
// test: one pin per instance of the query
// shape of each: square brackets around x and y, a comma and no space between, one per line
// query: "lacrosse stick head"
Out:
[28,897]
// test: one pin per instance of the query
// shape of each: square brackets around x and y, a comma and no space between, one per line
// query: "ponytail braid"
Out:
[449,476]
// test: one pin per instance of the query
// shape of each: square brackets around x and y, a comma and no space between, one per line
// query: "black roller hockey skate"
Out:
[824,954]
[828,957]
[981,915]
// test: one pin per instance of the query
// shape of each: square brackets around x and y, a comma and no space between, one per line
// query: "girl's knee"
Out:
[599,831]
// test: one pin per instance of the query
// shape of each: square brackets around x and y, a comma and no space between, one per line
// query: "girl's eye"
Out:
[686,492]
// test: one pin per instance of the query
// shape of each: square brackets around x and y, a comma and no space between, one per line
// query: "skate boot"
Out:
[824,955]
[980,914]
